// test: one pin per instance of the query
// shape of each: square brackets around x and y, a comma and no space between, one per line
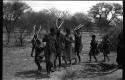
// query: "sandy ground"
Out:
[18,65]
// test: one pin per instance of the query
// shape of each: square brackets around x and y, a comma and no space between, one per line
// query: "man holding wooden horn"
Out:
[59,43]
[78,41]
[36,46]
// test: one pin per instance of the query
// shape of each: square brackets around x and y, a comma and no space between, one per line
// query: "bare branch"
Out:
[56,23]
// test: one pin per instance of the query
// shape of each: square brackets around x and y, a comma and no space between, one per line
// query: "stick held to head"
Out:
[58,27]
[78,27]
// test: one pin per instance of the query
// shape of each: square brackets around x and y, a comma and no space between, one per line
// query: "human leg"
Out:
[78,56]
[95,58]
[38,64]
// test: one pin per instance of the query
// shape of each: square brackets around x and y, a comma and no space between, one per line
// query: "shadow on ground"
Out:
[32,74]
[93,62]
[119,79]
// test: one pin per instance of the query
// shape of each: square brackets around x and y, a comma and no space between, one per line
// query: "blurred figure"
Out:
[50,50]
[93,48]
[120,53]
[106,47]
[68,45]
[60,38]
[78,44]
[38,50]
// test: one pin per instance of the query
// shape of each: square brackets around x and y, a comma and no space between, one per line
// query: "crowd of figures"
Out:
[68,47]
[57,46]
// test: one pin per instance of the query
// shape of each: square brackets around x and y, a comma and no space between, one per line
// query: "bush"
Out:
[113,33]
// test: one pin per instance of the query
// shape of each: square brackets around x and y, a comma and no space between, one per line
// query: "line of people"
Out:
[67,47]
[57,46]
[96,48]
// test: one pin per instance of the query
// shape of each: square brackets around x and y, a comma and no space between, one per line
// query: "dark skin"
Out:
[60,42]
[48,52]
[58,47]
[68,32]
[120,54]
[78,44]
[37,49]
[106,42]
[93,39]
[106,56]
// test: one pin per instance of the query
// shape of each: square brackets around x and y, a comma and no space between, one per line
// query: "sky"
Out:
[70,6]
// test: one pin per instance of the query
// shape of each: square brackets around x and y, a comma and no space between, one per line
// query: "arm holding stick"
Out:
[34,28]
[39,30]
[58,27]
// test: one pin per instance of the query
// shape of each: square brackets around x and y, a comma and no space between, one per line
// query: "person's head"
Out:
[57,31]
[52,30]
[78,31]
[59,19]
[35,36]
[67,31]
[93,36]
[106,37]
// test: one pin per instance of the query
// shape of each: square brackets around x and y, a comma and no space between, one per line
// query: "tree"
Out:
[113,33]
[21,31]
[85,19]
[104,13]
[7,18]
[12,12]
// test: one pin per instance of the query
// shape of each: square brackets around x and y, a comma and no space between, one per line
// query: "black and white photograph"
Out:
[63,40]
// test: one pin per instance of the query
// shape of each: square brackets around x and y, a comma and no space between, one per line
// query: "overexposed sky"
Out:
[71,6]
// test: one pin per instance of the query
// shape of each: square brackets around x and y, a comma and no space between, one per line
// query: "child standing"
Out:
[93,48]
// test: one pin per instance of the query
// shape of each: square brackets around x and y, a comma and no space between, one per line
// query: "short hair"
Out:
[52,30]
[35,36]
[68,30]
[59,19]
[93,36]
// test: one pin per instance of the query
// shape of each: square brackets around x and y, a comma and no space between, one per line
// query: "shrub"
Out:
[113,33]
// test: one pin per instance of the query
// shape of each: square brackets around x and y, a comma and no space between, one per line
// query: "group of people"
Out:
[103,47]
[57,46]
[67,47]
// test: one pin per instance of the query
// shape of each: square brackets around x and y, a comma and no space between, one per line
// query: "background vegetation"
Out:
[19,19]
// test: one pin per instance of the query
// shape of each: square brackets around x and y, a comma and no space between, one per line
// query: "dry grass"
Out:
[17,64]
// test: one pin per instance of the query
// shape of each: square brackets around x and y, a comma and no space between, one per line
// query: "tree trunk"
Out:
[21,40]
[8,37]
[8,34]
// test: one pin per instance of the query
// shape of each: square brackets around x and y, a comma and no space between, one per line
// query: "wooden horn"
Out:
[34,28]
[80,26]
[61,24]
[77,27]
[39,31]
[56,23]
